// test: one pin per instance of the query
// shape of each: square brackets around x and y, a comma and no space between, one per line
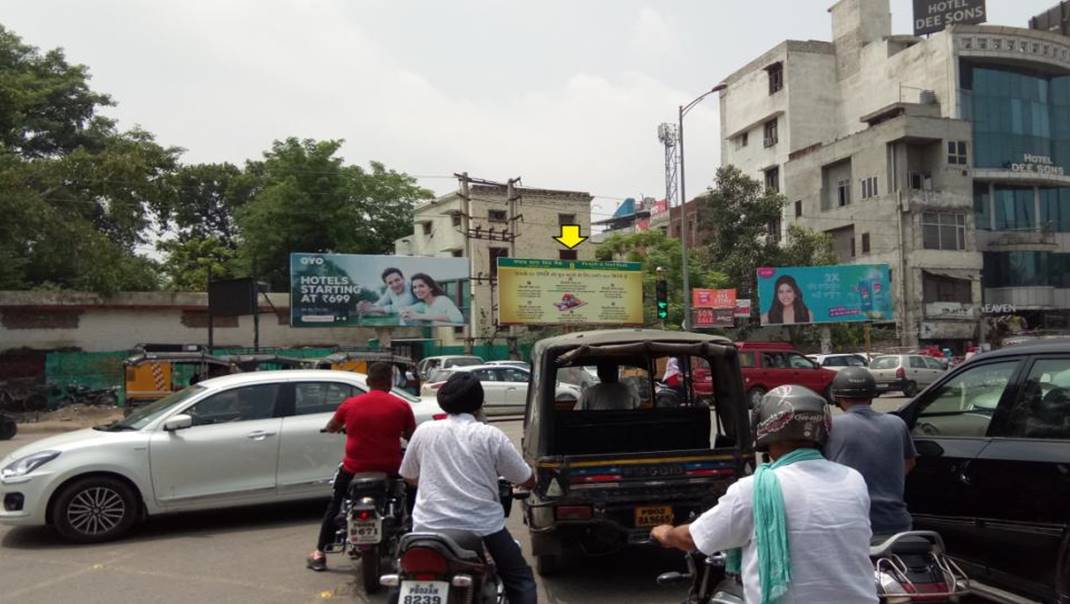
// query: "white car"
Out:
[241,439]
[837,362]
[521,364]
[426,366]
[505,388]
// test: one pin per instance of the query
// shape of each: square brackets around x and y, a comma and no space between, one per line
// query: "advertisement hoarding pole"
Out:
[466,220]
[511,196]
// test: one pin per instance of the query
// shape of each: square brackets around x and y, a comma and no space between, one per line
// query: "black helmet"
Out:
[854,383]
[790,413]
[462,393]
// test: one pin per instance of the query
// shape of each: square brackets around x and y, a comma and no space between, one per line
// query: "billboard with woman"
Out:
[825,294]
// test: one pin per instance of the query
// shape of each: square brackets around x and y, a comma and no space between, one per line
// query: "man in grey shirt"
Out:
[877,445]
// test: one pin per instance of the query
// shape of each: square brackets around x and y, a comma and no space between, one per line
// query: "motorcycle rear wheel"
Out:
[370,569]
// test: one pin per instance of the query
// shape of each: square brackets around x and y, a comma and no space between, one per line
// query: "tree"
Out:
[654,249]
[206,200]
[309,201]
[190,261]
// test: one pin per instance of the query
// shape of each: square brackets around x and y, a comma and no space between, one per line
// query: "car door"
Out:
[934,369]
[308,458]
[805,372]
[916,370]
[1023,477]
[230,452]
[775,370]
[517,390]
[950,424]
[495,393]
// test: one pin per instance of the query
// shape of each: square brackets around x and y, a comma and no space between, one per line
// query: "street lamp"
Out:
[683,201]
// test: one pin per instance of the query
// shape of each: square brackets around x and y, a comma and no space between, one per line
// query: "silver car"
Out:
[906,373]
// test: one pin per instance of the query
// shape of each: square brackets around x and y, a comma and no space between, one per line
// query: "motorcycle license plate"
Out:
[653,515]
[424,592]
[362,532]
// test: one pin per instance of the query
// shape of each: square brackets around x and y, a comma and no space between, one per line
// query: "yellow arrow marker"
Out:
[570,236]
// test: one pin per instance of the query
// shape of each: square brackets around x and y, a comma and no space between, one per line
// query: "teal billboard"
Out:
[842,293]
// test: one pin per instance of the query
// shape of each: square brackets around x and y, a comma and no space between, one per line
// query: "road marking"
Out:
[62,578]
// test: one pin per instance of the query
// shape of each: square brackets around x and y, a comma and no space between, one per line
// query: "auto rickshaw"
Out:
[405,375]
[631,453]
[150,376]
[265,361]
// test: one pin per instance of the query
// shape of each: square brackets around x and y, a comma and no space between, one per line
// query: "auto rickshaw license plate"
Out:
[653,515]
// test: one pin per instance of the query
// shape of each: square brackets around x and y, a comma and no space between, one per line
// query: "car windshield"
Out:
[464,361]
[884,363]
[404,395]
[439,375]
[144,416]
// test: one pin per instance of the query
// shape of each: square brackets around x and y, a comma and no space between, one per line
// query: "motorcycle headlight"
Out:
[24,465]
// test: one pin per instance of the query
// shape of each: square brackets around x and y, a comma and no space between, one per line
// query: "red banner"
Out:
[709,317]
[714,298]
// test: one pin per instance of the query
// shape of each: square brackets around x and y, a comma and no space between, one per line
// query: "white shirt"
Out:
[392,303]
[458,461]
[607,397]
[827,514]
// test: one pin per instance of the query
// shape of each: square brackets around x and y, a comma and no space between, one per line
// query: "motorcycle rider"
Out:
[802,522]
[876,444]
[374,422]
[456,464]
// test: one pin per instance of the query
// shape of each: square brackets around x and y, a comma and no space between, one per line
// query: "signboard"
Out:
[742,310]
[934,15]
[232,297]
[338,290]
[951,310]
[713,298]
[1037,164]
[713,317]
[825,294]
[563,292]
[661,206]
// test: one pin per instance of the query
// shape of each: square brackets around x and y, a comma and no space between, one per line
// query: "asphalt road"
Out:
[257,555]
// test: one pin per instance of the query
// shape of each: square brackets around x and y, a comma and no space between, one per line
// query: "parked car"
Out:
[240,439]
[993,441]
[426,366]
[504,387]
[906,373]
[520,364]
[835,362]
[766,365]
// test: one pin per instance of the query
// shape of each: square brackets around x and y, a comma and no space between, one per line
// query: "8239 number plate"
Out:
[424,592]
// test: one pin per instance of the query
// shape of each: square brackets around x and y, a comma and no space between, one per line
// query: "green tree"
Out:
[308,200]
[206,200]
[653,249]
[190,261]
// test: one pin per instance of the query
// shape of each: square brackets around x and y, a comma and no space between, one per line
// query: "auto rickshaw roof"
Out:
[175,357]
[246,361]
[611,337]
[370,356]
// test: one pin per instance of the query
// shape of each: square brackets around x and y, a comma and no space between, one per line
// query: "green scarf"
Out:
[770,528]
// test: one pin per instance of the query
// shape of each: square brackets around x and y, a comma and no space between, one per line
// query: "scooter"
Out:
[448,567]
[908,567]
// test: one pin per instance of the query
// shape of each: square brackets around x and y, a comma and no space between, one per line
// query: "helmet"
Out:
[854,383]
[790,413]
[462,393]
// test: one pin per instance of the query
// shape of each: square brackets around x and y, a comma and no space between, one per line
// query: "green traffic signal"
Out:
[662,298]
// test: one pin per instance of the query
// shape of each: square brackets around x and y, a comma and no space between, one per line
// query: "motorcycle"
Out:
[449,567]
[908,567]
[373,517]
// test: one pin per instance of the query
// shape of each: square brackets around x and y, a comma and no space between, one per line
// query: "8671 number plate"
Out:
[424,592]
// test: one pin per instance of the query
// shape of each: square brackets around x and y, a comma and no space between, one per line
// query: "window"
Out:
[865,243]
[746,359]
[320,397]
[495,253]
[921,181]
[458,330]
[774,360]
[455,219]
[770,133]
[563,219]
[741,140]
[938,288]
[567,255]
[869,187]
[943,231]
[772,179]
[776,77]
[843,193]
[236,405]
[798,209]
[512,374]
[798,361]
[497,216]
[931,363]
[956,153]
[1014,208]
[1043,407]
[964,405]
[853,251]
[917,363]
[773,230]
[426,227]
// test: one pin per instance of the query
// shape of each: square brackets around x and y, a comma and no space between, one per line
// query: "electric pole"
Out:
[466,222]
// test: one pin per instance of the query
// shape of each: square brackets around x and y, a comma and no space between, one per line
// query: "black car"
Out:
[993,472]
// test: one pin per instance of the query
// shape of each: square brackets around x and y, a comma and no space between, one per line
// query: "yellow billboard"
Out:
[566,292]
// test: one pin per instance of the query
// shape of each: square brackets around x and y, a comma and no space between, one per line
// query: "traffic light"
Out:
[662,298]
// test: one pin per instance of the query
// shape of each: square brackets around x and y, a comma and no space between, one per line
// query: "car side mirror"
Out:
[178,422]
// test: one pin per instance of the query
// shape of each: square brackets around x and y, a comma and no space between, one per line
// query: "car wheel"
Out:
[547,564]
[910,389]
[94,509]
[8,428]
[755,396]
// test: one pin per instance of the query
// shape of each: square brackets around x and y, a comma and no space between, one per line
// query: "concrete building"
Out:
[631,216]
[540,213]
[941,156]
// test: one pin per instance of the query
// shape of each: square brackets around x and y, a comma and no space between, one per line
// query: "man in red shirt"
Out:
[375,423]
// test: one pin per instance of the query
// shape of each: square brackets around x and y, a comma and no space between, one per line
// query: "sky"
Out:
[561,93]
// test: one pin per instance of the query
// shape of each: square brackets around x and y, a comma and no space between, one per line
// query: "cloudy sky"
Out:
[563,93]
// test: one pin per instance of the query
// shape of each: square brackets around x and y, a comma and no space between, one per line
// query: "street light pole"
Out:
[683,109]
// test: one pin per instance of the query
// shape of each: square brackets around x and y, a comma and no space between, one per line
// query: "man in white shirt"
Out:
[456,464]
[608,395]
[396,297]
[812,514]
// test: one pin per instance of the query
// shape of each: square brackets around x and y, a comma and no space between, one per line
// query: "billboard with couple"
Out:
[339,290]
